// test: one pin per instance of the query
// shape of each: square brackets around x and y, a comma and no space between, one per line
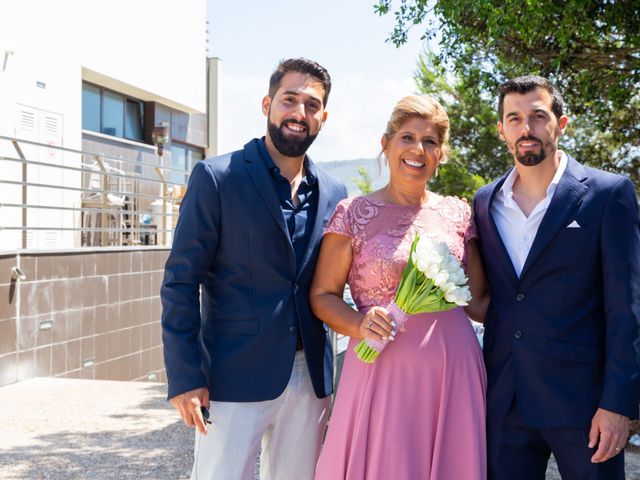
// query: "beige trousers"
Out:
[289,429]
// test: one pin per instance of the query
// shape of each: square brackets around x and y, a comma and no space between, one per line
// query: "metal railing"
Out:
[109,200]
[96,182]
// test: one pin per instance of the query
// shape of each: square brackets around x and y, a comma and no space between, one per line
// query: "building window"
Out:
[111,113]
[90,108]
[133,119]
[183,157]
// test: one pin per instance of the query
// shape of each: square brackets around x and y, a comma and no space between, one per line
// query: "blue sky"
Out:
[347,37]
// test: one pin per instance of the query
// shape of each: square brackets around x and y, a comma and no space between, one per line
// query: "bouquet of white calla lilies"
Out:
[432,281]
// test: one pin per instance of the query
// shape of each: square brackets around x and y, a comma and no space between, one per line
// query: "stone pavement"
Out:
[57,429]
[61,429]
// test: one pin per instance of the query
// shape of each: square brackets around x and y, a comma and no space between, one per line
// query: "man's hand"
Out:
[188,405]
[613,430]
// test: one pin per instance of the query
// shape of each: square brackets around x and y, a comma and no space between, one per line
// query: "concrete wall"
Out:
[88,314]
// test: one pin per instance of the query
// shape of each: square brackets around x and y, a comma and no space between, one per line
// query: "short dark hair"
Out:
[529,84]
[300,65]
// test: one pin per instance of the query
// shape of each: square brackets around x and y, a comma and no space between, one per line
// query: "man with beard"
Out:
[241,345]
[561,249]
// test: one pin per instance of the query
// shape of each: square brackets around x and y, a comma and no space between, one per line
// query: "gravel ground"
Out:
[91,429]
[61,429]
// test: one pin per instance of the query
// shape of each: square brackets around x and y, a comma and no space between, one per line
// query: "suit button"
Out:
[292,330]
[517,334]
[296,288]
[520,297]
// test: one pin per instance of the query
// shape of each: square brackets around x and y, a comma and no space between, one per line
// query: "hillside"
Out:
[347,171]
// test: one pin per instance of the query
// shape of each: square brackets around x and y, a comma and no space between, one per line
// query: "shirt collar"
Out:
[310,173]
[268,161]
[310,170]
[562,166]
[506,190]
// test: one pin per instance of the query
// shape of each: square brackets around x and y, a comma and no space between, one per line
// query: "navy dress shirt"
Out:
[298,218]
[301,217]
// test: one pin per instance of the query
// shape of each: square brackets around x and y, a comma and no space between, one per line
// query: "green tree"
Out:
[589,48]
[473,118]
[476,150]
[363,181]
[454,178]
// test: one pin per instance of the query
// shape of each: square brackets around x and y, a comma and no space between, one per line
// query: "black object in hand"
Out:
[205,414]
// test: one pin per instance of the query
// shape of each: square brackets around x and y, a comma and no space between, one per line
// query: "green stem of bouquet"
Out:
[365,352]
[424,303]
[408,278]
[425,285]
[402,296]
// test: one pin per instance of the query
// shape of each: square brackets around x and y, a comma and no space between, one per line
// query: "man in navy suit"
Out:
[561,249]
[239,335]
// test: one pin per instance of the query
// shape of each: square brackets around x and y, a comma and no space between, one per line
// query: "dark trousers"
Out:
[516,451]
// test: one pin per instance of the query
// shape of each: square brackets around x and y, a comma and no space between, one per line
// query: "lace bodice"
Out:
[381,236]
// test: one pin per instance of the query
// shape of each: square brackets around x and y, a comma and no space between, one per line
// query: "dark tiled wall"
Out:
[93,314]
[8,337]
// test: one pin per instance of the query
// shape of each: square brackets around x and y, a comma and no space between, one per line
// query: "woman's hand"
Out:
[378,325]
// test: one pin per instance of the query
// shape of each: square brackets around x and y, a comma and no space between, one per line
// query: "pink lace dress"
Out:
[417,412]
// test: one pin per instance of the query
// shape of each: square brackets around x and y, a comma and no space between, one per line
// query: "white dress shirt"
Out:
[516,229]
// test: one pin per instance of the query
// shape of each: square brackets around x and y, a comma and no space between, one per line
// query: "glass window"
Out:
[178,161]
[193,157]
[112,114]
[189,161]
[133,120]
[183,158]
[90,108]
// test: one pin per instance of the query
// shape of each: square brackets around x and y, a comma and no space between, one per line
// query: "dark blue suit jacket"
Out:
[231,283]
[561,337]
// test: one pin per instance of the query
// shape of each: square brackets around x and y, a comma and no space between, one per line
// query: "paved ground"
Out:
[90,429]
[59,429]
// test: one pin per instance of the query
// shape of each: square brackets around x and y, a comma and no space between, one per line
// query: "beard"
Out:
[289,147]
[530,159]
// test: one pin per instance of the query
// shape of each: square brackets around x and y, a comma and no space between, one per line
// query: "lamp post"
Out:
[160,137]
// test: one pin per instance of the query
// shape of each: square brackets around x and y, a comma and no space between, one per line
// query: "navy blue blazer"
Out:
[561,337]
[231,283]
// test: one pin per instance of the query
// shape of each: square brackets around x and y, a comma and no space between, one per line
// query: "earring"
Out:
[436,172]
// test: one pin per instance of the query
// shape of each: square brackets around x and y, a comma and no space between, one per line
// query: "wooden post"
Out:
[165,194]
[104,216]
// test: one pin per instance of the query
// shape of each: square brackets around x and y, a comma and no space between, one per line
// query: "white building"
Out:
[96,77]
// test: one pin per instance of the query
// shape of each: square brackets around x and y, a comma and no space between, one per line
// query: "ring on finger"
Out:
[370,325]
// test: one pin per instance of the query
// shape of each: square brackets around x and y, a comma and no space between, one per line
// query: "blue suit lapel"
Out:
[264,184]
[492,233]
[567,197]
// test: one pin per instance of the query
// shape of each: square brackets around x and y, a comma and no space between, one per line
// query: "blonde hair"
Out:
[421,106]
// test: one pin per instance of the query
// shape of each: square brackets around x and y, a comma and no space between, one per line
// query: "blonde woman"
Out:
[417,412]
